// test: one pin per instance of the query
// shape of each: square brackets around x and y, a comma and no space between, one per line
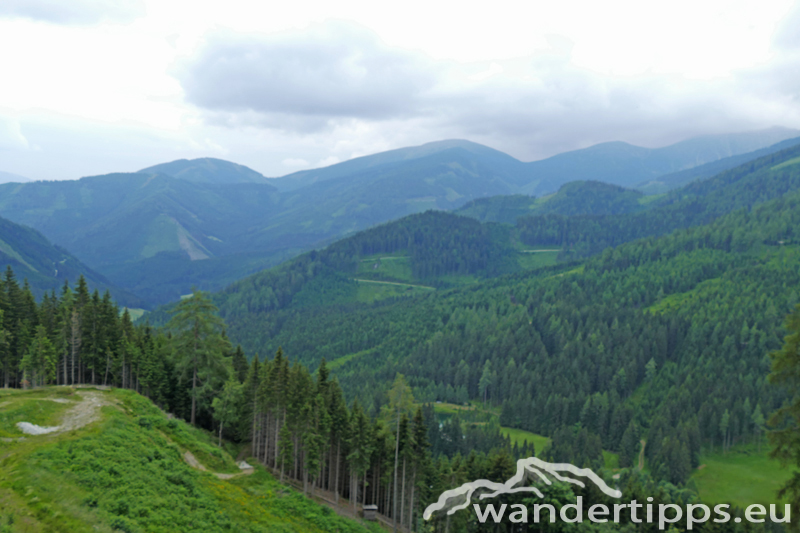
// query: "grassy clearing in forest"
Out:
[742,477]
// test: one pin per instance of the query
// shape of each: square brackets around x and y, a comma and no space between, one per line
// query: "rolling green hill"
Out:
[208,222]
[207,170]
[627,165]
[655,339]
[707,170]
[573,198]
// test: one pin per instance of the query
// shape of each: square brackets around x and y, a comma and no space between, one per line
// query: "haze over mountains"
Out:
[8,177]
[208,222]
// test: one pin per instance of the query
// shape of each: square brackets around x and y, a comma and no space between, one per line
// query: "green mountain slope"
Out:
[697,203]
[574,198]
[208,222]
[677,179]
[126,471]
[383,160]
[207,170]
[655,339]
[413,255]
[46,266]
[126,225]
[627,165]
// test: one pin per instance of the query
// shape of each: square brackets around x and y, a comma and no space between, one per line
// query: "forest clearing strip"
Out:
[394,283]
[641,454]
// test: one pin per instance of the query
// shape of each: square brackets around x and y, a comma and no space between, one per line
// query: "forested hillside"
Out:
[207,222]
[45,266]
[426,251]
[661,339]
[111,460]
[677,179]
[573,198]
[697,203]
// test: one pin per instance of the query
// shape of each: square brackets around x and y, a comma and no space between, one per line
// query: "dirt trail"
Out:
[192,461]
[83,413]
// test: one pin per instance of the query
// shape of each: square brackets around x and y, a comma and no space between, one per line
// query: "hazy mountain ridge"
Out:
[207,170]
[9,177]
[627,165]
[126,225]
[47,266]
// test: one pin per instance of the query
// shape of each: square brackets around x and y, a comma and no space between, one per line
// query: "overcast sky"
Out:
[97,86]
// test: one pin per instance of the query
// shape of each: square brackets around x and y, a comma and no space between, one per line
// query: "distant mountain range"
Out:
[208,222]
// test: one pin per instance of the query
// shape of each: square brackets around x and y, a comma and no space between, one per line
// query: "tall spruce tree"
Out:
[198,343]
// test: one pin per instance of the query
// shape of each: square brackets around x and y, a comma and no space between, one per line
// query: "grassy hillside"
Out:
[125,471]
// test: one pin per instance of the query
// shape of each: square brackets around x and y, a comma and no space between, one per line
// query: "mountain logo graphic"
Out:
[528,469]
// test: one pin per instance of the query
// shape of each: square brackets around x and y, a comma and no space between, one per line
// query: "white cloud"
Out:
[255,84]
[74,12]
[11,137]
[332,70]
[295,163]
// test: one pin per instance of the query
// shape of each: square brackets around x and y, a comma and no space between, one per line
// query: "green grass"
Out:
[369,292]
[34,406]
[126,473]
[610,460]
[518,436]
[392,268]
[136,314]
[338,362]
[786,163]
[650,198]
[529,261]
[740,477]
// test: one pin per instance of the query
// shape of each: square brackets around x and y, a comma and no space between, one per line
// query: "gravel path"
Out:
[192,461]
[81,414]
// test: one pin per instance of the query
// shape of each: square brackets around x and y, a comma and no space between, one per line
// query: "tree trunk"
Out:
[403,494]
[277,440]
[411,506]
[108,365]
[219,441]
[336,482]
[194,390]
[396,459]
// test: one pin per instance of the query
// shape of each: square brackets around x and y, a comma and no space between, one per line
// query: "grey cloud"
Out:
[314,81]
[73,12]
[332,70]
